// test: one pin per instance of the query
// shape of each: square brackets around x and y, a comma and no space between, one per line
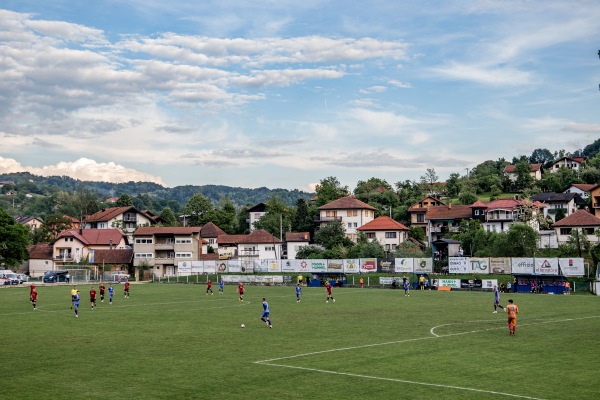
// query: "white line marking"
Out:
[270,362]
[404,381]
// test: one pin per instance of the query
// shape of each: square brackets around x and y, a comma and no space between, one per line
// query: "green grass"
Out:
[174,342]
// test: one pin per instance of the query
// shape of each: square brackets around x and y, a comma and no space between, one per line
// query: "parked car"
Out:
[55,276]
[23,277]
[12,278]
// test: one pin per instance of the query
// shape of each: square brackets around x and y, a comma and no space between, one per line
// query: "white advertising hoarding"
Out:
[335,266]
[423,265]
[453,283]
[489,283]
[368,265]
[404,265]
[521,265]
[352,266]
[480,265]
[546,266]
[571,266]
[500,265]
[458,265]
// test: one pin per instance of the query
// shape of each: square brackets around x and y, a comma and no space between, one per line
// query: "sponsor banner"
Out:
[270,265]
[422,265]
[500,265]
[521,265]
[318,266]
[385,265]
[388,280]
[458,265]
[335,266]
[252,279]
[234,266]
[197,267]
[222,267]
[368,265]
[404,265]
[571,266]
[479,265]
[249,266]
[301,266]
[489,283]
[184,268]
[546,266]
[453,283]
[210,267]
[288,266]
[352,266]
[471,283]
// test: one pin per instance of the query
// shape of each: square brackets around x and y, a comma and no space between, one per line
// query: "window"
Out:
[420,217]
[349,224]
[476,212]
[356,224]
[352,213]
[211,241]
[588,231]
[144,240]
[370,235]
[183,241]
[183,255]
[565,231]
[144,255]
[331,213]
[390,235]
[269,248]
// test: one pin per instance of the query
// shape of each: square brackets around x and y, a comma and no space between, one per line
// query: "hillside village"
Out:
[553,198]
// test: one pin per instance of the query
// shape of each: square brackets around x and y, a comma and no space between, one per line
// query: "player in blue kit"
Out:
[406,285]
[497,299]
[111,293]
[265,315]
[221,286]
[298,293]
[76,299]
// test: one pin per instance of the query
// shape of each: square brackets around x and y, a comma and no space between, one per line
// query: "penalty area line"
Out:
[438,385]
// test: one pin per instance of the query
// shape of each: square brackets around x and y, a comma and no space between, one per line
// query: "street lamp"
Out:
[467,172]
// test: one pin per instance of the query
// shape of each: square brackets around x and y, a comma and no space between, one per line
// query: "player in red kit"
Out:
[102,289]
[240,290]
[93,297]
[126,290]
[209,287]
[33,297]
[329,295]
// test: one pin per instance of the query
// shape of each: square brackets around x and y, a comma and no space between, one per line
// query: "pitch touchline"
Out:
[401,381]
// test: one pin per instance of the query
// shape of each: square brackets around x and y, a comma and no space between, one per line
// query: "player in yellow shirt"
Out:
[73,294]
[512,311]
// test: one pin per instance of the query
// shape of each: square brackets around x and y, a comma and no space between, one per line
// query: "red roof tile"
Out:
[449,212]
[383,224]
[478,204]
[297,236]
[504,204]
[257,236]
[579,218]
[41,251]
[95,236]
[114,256]
[345,203]
[107,214]
[585,187]
[509,169]
[211,230]
[166,230]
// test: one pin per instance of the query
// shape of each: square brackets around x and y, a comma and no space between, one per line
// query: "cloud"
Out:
[373,89]
[484,74]
[401,85]
[83,169]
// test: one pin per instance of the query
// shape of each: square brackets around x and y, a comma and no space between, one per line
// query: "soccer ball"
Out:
[242,326]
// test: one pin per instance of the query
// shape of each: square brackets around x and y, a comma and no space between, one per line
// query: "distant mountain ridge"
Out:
[238,196]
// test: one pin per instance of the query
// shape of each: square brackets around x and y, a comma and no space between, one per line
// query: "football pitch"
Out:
[172,341]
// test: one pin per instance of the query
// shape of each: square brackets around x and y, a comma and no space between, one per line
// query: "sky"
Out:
[285,93]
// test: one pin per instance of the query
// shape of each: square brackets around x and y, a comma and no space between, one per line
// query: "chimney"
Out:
[449,205]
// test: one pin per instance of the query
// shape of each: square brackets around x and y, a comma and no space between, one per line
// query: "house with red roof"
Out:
[385,230]
[502,213]
[510,171]
[595,200]
[210,232]
[127,218]
[257,245]
[418,210]
[73,246]
[255,213]
[568,162]
[350,211]
[163,247]
[445,220]
[41,259]
[580,220]
[559,203]
[293,242]
[582,189]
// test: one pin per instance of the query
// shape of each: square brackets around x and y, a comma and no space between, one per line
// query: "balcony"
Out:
[164,246]
[129,218]
[327,219]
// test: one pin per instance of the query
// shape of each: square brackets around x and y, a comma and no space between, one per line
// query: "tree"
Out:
[310,251]
[198,210]
[429,181]
[302,221]
[524,179]
[14,239]
[330,189]
[277,219]
[224,216]
[467,198]
[366,249]
[55,224]
[542,156]
[331,235]
[452,184]
[522,241]
[168,217]
[124,201]
[579,242]
[416,232]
